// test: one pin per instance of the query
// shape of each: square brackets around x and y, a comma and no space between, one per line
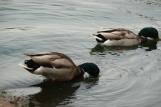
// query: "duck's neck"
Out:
[81,71]
[148,40]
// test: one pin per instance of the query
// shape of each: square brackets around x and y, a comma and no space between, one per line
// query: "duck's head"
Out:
[149,36]
[91,68]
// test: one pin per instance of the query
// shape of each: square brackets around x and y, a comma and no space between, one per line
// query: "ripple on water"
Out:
[128,78]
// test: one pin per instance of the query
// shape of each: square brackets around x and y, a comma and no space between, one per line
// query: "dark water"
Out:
[129,77]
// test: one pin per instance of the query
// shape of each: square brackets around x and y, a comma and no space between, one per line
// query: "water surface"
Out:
[129,77]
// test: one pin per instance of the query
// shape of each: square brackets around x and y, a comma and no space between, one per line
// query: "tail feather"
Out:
[100,38]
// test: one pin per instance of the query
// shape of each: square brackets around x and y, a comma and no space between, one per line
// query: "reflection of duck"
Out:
[101,49]
[55,94]
[57,66]
[123,37]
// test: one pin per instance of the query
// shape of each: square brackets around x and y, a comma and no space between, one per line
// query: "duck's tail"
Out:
[99,38]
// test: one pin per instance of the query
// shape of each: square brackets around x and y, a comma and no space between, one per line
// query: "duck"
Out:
[125,37]
[57,66]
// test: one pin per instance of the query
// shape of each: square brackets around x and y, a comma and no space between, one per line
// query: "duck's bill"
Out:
[24,66]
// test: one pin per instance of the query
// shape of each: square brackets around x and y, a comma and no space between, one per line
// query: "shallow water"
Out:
[129,77]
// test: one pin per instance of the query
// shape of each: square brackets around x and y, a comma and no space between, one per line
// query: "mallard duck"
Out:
[58,66]
[125,37]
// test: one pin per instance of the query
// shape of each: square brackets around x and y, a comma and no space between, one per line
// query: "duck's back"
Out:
[117,37]
[55,66]
[118,33]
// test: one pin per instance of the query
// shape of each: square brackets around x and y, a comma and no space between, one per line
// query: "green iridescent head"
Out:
[149,37]
[150,32]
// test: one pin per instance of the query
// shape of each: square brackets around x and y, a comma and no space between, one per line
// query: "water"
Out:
[129,77]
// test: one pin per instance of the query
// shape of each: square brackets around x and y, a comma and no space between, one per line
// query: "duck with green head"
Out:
[124,37]
[58,66]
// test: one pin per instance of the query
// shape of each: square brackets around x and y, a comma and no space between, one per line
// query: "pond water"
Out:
[128,78]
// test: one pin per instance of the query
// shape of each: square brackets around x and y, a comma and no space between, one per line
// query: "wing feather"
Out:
[117,34]
[51,59]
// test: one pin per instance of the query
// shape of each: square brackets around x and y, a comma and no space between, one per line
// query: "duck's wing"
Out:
[117,34]
[42,54]
[112,30]
[108,30]
[62,63]
[52,59]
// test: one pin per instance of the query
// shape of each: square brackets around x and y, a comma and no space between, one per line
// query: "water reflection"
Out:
[149,45]
[54,94]
[114,50]
[110,49]
[90,82]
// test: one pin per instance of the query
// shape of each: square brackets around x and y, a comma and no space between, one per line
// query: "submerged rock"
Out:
[7,100]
